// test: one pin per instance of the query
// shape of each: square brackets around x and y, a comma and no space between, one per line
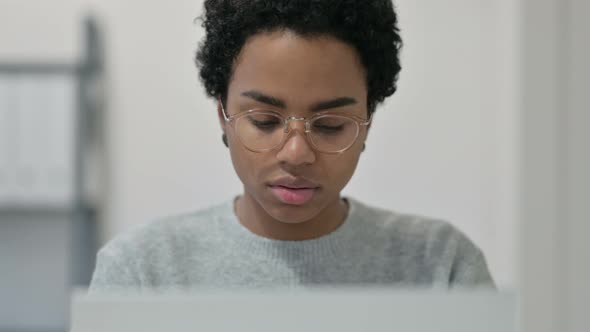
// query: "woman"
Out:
[296,85]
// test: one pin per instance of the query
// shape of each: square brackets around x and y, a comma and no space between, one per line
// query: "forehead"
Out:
[298,69]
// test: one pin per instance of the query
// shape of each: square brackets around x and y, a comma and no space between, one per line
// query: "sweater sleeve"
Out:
[469,268]
[113,273]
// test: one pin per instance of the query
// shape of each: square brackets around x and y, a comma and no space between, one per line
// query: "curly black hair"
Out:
[370,26]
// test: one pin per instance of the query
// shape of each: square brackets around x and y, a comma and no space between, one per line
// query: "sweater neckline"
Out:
[332,242]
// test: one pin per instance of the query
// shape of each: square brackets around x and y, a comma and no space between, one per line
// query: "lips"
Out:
[295,191]
[293,196]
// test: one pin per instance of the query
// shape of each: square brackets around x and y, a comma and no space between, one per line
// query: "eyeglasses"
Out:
[263,130]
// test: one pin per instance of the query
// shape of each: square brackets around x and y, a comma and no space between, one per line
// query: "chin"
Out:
[286,217]
[291,214]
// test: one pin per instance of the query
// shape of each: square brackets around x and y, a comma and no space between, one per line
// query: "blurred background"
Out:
[104,125]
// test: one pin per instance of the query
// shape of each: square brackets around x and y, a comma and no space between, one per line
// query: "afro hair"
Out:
[369,26]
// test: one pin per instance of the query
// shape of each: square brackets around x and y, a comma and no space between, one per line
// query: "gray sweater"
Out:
[211,249]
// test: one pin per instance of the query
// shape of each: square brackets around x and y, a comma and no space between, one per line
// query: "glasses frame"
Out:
[230,119]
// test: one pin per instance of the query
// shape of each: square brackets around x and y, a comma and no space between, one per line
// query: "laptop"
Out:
[342,310]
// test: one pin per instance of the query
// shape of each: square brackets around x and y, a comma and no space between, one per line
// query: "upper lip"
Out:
[293,182]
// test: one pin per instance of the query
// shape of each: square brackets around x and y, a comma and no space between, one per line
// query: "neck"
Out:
[253,216]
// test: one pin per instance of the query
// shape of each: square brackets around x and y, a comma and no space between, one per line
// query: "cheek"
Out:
[341,168]
[246,164]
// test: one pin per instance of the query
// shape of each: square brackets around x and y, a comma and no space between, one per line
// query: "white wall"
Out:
[555,163]
[577,137]
[445,145]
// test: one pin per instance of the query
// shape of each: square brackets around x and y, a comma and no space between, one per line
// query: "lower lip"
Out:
[293,196]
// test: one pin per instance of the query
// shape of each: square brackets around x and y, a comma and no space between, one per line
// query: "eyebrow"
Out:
[319,106]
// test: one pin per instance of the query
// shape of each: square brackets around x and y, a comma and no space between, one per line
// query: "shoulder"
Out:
[429,244]
[149,252]
[408,227]
[166,233]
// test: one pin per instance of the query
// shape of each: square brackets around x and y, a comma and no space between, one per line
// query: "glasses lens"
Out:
[333,133]
[260,131]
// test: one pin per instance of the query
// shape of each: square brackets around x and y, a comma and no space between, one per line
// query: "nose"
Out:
[296,149]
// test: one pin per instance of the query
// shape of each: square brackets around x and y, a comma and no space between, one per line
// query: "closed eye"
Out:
[264,124]
[329,129]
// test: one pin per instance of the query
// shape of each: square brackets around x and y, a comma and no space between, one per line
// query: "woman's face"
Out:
[292,75]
